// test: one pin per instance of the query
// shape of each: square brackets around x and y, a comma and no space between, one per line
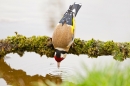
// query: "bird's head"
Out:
[59,56]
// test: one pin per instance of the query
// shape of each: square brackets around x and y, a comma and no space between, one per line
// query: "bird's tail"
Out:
[75,7]
[70,14]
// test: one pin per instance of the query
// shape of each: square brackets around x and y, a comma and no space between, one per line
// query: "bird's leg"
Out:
[49,42]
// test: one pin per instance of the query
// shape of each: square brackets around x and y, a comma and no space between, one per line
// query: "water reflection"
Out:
[20,78]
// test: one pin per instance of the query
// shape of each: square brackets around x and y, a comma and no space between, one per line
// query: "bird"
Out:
[64,33]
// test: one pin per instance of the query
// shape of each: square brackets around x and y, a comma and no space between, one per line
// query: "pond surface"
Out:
[98,19]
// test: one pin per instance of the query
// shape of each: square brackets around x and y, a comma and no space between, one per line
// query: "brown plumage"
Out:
[62,36]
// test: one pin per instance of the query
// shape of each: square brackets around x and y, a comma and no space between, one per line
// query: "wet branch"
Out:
[39,44]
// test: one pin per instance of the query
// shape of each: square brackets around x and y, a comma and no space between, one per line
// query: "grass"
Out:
[108,76]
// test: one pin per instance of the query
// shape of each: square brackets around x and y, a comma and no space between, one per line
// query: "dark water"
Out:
[20,78]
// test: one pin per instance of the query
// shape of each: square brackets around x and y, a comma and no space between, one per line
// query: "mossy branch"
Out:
[39,44]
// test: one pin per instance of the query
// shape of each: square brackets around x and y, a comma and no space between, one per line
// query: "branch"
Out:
[39,44]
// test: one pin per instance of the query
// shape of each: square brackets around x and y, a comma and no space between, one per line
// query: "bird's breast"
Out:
[62,36]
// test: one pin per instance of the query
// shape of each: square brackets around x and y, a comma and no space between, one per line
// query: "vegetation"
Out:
[112,75]
[39,44]
[108,76]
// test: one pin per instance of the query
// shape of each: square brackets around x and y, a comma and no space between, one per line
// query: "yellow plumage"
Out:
[73,26]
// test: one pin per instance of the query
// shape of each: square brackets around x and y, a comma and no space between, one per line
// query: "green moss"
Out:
[108,47]
[39,44]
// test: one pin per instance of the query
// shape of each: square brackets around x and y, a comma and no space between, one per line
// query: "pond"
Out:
[98,19]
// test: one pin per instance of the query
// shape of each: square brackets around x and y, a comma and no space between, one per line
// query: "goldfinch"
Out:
[63,35]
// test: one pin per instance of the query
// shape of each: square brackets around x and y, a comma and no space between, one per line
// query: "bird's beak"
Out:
[58,64]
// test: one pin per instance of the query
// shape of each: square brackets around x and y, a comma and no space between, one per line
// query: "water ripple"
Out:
[64,72]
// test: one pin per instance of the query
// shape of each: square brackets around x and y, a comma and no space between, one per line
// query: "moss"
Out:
[108,47]
[39,44]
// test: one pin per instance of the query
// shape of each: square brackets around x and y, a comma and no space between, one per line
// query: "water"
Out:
[98,19]
[64,72]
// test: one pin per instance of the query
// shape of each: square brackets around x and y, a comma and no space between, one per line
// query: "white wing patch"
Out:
[71,42]
[63,55]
